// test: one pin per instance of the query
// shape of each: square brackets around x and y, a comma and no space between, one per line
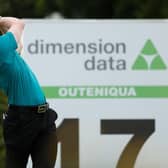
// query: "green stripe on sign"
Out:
[152,91]
[96,92]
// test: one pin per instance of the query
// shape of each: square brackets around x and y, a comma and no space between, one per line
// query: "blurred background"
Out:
[102,9]
[78,9]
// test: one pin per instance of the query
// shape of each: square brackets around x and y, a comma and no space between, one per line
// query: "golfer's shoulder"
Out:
[7,42]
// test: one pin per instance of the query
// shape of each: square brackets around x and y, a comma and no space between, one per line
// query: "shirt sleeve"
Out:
[7,45]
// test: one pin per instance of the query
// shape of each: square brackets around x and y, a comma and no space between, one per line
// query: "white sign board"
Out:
[108,81]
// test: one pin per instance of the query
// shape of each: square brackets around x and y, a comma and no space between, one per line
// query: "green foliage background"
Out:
[3,108]
[96,9]
[86,8]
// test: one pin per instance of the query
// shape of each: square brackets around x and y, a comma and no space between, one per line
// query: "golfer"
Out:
[29,124]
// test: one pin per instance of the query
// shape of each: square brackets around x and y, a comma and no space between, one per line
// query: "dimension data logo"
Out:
[149,59]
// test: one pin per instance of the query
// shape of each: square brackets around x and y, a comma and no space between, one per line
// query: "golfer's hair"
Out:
[0,32]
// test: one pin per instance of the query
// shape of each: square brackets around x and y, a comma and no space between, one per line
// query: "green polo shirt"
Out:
[16,78]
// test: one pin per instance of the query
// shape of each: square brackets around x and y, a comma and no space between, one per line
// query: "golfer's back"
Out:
[16,78]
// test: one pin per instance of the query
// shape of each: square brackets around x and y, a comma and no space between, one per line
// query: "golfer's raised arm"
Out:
[14,25]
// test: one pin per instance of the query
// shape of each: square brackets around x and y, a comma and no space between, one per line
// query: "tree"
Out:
[86,8]
[3,107]
[113,8]
[27,8]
